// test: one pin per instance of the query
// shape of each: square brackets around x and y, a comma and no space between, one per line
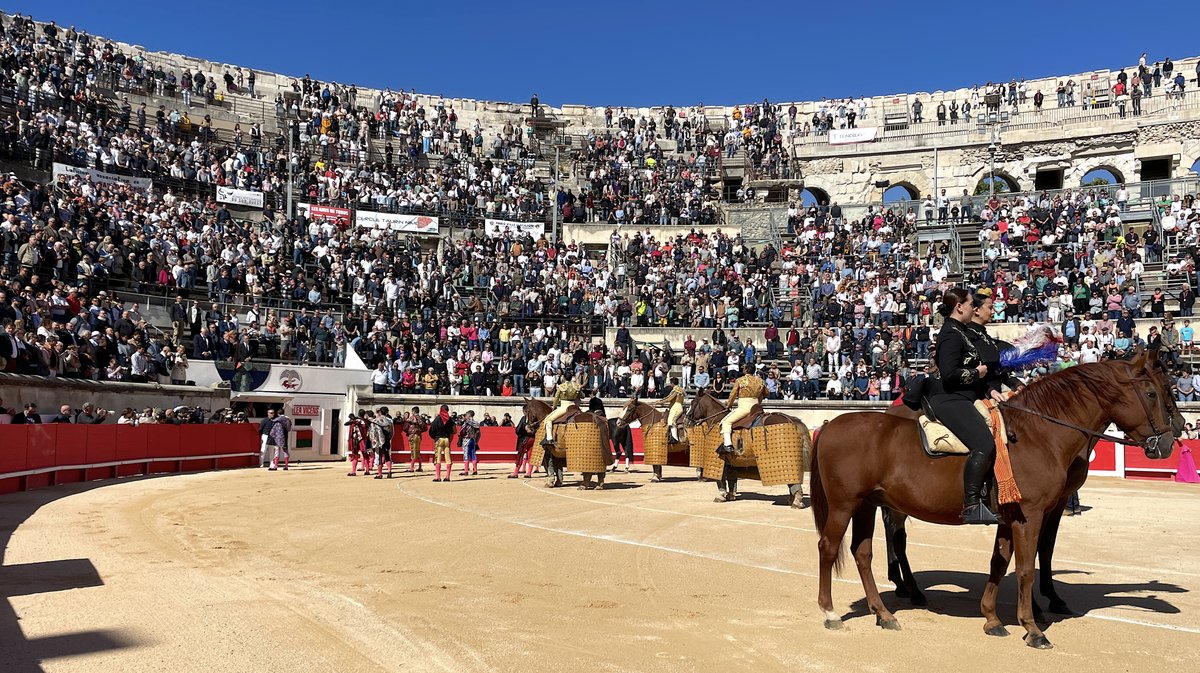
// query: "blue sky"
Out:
[624,52]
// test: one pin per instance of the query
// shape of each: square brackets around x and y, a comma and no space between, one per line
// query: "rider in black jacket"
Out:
[965,378]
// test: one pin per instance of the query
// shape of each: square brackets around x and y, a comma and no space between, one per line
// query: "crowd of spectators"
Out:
[90,414]
[846,302]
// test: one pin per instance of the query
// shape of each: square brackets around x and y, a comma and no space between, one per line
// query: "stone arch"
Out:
[1005,183]
[814,196]
[901,191]
[1108,173]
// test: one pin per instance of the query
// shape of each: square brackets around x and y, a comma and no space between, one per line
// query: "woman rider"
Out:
[989,347]
[965,379]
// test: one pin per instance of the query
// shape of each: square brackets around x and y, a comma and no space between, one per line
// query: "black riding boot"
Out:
[974,511]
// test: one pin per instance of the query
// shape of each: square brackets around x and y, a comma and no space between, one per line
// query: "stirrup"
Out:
[671,439]
[724,450]
[979,514]
[547,442]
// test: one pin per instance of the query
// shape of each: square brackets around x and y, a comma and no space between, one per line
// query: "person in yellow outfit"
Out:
[747,391]
[674,403]
[565,395]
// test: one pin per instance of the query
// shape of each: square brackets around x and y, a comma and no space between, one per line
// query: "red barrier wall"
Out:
[69,453]
[1130,462]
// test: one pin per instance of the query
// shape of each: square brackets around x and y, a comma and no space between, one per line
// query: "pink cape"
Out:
[1186,471]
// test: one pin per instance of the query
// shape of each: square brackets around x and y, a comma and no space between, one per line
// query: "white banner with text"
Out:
[100,177]
[848,136]
[407,224]
[240,197]
[500,227]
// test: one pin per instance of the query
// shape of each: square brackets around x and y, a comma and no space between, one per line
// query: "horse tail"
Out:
[820,501]
[807,448]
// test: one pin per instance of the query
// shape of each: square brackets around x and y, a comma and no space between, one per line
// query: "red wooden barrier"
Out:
[33,456]
[13,441]
[70,448]
[131,445]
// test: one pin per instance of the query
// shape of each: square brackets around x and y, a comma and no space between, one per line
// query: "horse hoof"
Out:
[720,498]
[918,599]
[887,624]
[999,631]
[1038,642]
[799,504]
[901,590]
[1060,608]
[654,480]
[833,624]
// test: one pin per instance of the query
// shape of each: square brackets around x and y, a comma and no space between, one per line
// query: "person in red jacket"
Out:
[356,443]
[771,335]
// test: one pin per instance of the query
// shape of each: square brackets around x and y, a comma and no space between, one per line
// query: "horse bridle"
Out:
[638,419]
[1150,443]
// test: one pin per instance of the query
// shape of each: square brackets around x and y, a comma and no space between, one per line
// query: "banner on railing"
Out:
[100,177]
[848,136]
[340,216]
[408,224]
[240,197]
[501,227]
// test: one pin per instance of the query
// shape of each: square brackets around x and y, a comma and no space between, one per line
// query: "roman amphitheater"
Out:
[192,249]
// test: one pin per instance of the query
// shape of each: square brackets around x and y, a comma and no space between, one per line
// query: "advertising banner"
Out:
[340,216]
[499,227]
[240,197]
[405,224]
[100,177]
[848,136]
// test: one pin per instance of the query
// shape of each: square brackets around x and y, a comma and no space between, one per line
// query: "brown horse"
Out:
[646,415]
[1053,424]
[535,410]
[709,410]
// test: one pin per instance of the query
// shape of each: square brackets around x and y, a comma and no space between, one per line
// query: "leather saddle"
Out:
[937,440]
[752,420]
[572,412]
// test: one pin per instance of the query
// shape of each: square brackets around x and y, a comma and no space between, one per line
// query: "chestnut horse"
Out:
[535,410]
[646,415]
[706,408]
[1053,423]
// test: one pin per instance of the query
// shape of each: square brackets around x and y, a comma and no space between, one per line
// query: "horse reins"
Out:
[1150,443]
[702,420]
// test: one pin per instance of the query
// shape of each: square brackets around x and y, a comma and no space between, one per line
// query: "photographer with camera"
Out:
[88,415]
[29,415]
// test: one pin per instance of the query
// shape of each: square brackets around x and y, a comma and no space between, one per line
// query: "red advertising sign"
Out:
[339,216]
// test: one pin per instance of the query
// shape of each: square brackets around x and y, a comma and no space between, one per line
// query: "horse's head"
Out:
[629,412]
[694,413]
[1144,408]
[532,410]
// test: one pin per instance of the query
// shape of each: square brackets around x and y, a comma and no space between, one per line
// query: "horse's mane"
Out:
[1058,394]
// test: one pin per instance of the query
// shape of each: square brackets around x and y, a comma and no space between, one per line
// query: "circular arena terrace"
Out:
[275,352]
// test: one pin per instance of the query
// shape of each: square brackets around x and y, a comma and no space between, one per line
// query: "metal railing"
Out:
[930,132]
[1141,196]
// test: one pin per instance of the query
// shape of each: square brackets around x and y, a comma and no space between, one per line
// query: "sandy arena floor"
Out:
[309,570]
